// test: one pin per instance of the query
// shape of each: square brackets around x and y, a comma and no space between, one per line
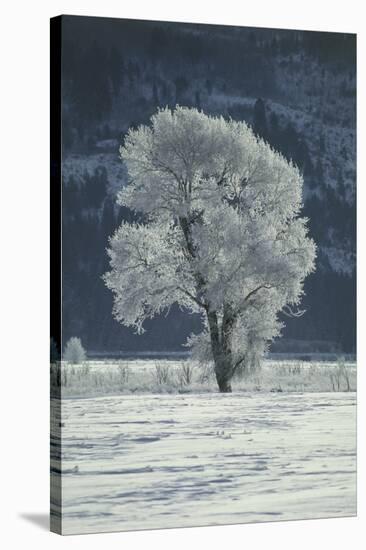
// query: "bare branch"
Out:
[252,292]
[237,363]
[289,312]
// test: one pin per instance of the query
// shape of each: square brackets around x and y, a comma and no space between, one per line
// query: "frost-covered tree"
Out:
[74,351]
[220,233]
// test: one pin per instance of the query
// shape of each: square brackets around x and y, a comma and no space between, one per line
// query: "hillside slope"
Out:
[297,90]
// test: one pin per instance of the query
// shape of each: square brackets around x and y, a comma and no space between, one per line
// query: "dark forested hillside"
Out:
[298,91]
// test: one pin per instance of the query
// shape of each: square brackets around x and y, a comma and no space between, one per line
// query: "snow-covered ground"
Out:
[154,461]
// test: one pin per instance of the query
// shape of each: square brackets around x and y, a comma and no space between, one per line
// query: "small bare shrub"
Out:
[123,374]
[98,379]
[295,368]
[340,373]
[84,370]
[162,374]
[185,373]
[332,381]
[346,377]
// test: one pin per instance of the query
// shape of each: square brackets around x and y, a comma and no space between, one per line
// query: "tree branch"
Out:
[264,285]
[289,312]
[237,363]
[192,297]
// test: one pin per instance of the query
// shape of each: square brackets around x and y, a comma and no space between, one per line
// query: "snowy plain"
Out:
[145,461]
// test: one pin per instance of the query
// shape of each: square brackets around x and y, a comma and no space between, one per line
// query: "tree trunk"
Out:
[220,343]
[223,380]
[222,355]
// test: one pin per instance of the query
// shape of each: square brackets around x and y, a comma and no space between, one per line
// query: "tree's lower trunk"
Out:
[222,355]
[223,381]
[220,339]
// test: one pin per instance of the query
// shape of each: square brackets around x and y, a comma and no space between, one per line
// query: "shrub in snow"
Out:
[185,373]
[124,374]
[338,374]
[162,374]
[74,351]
